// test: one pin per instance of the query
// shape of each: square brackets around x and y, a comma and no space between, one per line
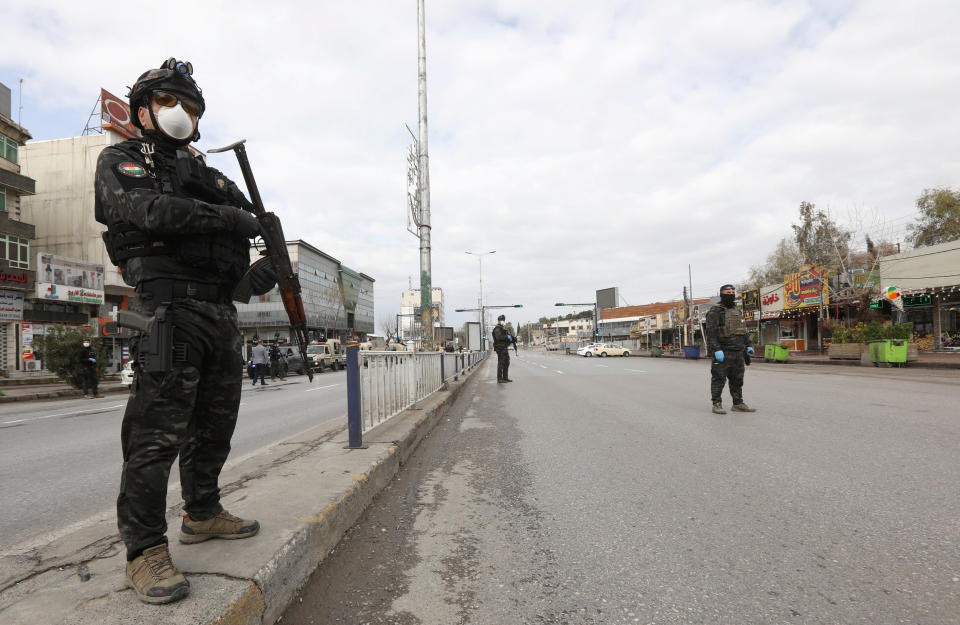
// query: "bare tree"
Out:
[388,325]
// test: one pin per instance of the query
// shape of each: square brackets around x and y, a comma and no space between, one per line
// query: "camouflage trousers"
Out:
[503,363]
[731,369]
[190,410]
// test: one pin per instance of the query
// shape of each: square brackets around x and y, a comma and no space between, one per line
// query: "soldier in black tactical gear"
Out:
[727,341]
[87,359]
[180,232]
[501,345]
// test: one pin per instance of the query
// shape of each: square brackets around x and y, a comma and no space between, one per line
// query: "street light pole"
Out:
[483,323]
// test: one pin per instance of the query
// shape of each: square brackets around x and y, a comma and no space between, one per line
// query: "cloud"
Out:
[591,145]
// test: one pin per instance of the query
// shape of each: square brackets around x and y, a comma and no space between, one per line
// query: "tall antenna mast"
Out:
[426,292]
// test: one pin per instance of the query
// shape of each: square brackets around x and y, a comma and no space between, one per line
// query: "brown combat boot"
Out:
[718,408]
[154,578]
[224,525]
[742,407]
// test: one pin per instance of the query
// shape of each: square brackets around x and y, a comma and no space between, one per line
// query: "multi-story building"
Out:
[338,301]
[17,273]
[409,321]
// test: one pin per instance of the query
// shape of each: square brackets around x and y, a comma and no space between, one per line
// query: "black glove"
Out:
[245,223]
[262,277]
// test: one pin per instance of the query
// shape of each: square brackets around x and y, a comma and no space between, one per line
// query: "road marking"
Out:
[603,366]
[556,371]
[544,367]
[64,414]
[635,370]
[320,388]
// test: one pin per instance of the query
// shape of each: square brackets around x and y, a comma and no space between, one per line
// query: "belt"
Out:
[169,290]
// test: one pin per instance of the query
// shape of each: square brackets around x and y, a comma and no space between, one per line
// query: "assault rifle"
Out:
[276,252]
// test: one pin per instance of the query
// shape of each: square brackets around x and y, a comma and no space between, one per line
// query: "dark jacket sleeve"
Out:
[124,199]
[712,329]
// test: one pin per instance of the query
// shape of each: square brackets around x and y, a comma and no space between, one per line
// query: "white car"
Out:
[605,349]
[126,374]
[586,350]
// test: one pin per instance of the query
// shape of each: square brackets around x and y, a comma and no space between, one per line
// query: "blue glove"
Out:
[93,360]
[750,351]
[718,355]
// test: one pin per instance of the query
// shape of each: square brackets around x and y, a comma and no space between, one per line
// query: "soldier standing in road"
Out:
[180,233]
[87,358]
[501,345]
[727,340]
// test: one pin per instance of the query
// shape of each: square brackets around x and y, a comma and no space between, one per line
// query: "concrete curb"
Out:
[307,491]
[69,392]
[913,364]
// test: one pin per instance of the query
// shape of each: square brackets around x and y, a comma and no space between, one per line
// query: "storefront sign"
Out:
[773,314]
[751,299]
[14,277]
[69,280]
[115,115]
[771,299]
[11,305]
[808,287]
[922,299]
[26,340]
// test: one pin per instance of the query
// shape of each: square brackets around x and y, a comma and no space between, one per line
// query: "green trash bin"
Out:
[781,353]
[887,351]
[897,351]
[768,351]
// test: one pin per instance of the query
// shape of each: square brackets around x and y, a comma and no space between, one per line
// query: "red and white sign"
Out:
[115,113]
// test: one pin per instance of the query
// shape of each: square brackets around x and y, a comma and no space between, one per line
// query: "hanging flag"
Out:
[894,297]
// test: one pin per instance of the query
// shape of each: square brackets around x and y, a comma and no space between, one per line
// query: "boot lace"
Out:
[160,564]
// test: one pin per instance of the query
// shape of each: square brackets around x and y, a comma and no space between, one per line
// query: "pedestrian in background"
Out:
[260,362]
[87,359]
[727,340]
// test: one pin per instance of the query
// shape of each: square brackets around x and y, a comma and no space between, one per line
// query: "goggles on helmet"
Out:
[169,100]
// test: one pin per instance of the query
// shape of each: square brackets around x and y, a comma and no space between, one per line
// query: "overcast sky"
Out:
[591,144]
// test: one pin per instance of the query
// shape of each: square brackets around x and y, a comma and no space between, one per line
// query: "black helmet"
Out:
[172,75]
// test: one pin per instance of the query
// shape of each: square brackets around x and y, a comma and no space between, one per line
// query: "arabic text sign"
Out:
[69,280]
[807,287]
[11,305]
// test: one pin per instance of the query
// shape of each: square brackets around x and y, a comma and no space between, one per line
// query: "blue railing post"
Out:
[354,425]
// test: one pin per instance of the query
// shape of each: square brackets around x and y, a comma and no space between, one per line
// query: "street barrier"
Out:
[381,385]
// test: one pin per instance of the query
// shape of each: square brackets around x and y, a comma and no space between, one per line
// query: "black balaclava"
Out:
[727,299]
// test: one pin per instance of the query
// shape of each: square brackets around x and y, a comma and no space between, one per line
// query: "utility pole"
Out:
[426,282]
[483,322]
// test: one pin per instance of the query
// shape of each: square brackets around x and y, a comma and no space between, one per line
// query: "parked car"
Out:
[605,349]
[586,350]
[126,374]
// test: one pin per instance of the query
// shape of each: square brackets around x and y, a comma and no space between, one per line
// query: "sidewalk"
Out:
[306,492]
[27,389]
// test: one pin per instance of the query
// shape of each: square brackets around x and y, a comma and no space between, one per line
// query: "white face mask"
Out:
[175,122]
[86,344]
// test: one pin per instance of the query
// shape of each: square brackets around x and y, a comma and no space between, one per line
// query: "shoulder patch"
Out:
[129,168]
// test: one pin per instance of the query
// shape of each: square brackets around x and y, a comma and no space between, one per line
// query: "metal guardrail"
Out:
[381,385]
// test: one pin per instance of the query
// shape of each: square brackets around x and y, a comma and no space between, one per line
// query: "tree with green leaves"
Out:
[60,348]
[939,218]
[819,240]
[784,259]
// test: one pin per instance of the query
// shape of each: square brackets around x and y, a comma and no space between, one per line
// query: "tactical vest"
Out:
[733,324]
[223,251]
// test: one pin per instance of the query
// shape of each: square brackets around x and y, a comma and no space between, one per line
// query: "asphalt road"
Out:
[605,491]
[60,460]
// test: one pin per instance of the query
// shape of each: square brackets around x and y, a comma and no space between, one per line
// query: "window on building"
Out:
[3,199]
[8,148]
[15,250]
